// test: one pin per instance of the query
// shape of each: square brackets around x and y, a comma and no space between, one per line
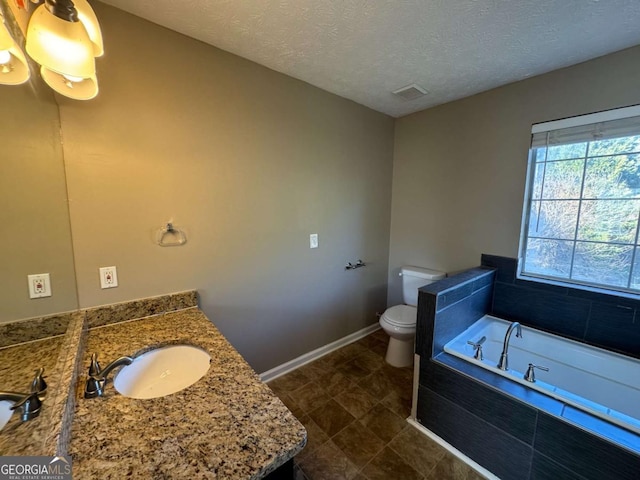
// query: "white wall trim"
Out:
[291,365]
[416,385]
[454,451]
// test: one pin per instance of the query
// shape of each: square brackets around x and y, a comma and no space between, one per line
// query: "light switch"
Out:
[313,240]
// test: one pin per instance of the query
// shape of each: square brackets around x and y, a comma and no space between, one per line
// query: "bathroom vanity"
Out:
[226,425]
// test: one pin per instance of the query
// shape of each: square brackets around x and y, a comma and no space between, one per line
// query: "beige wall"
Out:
[34,221]
[459,169]
[248,162]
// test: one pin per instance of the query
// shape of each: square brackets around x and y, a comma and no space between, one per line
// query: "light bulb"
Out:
[13,65]
[78,88]
[73,79]
[5,57]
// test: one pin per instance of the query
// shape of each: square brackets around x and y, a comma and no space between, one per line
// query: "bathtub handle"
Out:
[477,346]
[530,375]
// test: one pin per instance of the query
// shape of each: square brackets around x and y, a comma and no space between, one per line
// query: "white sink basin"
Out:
[162,371]
[5,413]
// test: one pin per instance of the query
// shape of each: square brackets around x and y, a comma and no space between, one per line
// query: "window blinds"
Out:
[622,122]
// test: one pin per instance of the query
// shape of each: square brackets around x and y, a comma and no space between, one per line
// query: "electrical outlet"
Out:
[108,277]
[313,240]
[39,285]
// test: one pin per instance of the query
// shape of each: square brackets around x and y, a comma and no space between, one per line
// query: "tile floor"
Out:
[354,407]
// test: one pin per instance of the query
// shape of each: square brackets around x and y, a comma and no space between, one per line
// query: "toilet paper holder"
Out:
[353,266]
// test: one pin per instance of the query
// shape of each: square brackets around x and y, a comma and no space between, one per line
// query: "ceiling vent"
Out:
[411,92]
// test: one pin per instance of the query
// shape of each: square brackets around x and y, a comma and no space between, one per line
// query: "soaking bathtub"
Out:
[603,383]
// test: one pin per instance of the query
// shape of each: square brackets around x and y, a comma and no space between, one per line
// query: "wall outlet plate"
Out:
[39,285]
[108,277]
[313,240]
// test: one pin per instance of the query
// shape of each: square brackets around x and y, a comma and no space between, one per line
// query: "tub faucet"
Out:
[98,377]
[503,364]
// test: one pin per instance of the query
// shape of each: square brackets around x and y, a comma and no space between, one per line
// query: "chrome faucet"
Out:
[503,364]
[98,377]
[30,403]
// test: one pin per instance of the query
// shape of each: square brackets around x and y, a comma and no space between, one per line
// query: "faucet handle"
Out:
[94,387]
[29,405]
[38,385]
[478,343]
[94,366]
[530,375]
[477,346]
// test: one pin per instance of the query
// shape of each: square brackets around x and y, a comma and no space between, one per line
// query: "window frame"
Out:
[577,121]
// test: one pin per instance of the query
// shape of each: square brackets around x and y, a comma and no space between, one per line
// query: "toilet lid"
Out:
[401,315]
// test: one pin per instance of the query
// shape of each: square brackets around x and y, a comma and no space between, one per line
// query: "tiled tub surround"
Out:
[600,382]
[48,342]
[513,431]
[227,425]
[606,321]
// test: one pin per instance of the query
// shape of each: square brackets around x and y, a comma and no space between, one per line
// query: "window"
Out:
[582,205]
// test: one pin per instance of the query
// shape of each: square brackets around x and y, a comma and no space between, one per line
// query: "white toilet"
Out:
[399,321]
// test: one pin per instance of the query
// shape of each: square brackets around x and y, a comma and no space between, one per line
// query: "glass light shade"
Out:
[13,69]
[61,46]
[76,88]
[6,40]
[87,16]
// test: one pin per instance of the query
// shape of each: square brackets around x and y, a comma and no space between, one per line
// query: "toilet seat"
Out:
[401,316]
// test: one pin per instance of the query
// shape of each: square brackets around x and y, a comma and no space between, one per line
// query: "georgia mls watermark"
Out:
[35,468]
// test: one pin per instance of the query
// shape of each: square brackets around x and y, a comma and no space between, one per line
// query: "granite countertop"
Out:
[17,367]
[228,425]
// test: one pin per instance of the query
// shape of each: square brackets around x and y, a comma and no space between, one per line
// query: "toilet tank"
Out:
[415,277]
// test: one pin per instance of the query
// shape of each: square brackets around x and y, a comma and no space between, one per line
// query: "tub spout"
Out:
[503,364]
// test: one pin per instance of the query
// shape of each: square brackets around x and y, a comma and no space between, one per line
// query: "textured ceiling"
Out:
[365,49]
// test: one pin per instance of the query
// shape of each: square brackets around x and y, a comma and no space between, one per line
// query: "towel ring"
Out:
[170,236]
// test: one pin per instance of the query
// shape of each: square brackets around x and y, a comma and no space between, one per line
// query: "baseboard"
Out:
[316,354]
[452,450]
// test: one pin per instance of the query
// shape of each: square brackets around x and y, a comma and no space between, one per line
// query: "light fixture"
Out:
[57,40]
[88,18]
[13,64]
[64,37]
[78,88]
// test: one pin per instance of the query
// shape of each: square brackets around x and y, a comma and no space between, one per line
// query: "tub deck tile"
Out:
[584,453]
[510,415]
[502,454]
